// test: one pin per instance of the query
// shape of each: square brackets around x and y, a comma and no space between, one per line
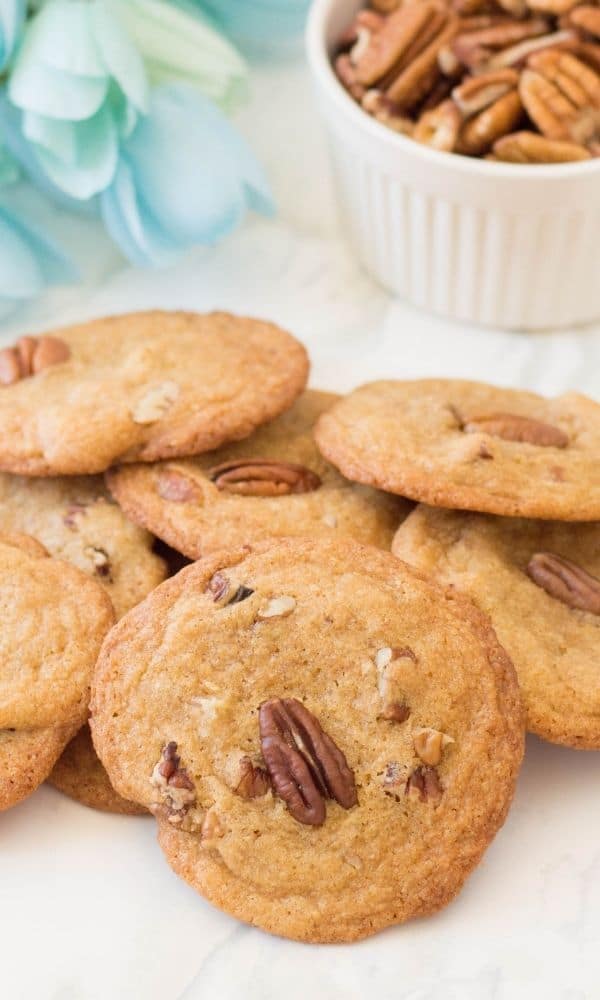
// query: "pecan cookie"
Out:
[275,483]
[539,581]
[74,518]
[452,443]
[141,387]
[54,620]
[328,740]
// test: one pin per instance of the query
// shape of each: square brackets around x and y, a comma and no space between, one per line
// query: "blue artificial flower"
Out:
[12,16]
[178,44]
[29,259]
[184,177]
[259,22]
[80,83]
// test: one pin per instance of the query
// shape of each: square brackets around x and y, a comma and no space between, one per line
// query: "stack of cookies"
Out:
[327,736]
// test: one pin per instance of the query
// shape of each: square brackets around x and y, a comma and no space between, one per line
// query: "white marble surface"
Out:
[89,909]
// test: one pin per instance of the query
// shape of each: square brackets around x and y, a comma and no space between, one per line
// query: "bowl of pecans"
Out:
[465,137]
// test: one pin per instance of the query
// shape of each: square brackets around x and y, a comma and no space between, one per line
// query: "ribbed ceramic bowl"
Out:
[499,244]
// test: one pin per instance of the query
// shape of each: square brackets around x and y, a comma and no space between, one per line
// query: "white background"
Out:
[89,910]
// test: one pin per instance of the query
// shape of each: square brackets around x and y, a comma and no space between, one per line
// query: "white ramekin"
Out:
[500,244]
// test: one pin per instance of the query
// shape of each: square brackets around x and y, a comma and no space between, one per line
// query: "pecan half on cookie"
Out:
[29,356]
[263,477]
[566,581]
[304,764]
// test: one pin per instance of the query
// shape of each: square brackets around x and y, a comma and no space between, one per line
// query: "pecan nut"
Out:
[423,72]
[429,744]
[587,18]
[439,127]
[561,95]
[565,581]
[424,784]
[222,592]
[29,356]
[174,785]
[155,403]
[376,104]
[262,477]
[387,48]
[517,55]
[478,92]
[478,134]
[529,147]
[304,764]
[254,780]
[177,487]
[513,427]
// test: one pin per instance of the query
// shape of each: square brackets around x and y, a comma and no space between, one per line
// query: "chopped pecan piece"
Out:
[254,780]
[73,511]
[100,561]
[260,477]
[424,784]
[387,654]
[512,427]
[154,403]
[220,588]
[565,581]
[30,356]
[394,775]
[395,711]
[211,828]
[529,147]
[173,782]
[176,486]
[304,764]
[277,607]
[429,744]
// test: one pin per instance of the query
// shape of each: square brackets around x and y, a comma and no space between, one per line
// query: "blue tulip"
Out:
[12,16]
[184,177]
[29,259]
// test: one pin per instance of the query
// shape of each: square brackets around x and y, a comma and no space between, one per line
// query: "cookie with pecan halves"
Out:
[54,619]
[141,387]
[315,726]
[539,581]
[471,446]
[273,484]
